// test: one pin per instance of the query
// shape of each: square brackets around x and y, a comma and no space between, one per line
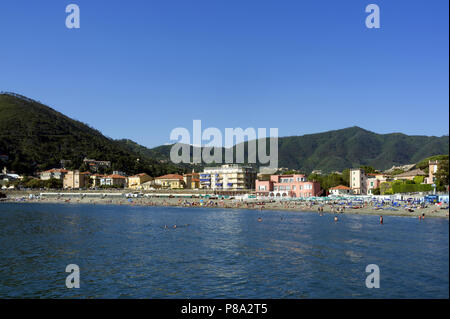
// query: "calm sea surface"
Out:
[125,252]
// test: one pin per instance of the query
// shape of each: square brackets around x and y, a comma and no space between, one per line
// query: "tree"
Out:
[53,183]
[442,175]
[369,169]
[346,177]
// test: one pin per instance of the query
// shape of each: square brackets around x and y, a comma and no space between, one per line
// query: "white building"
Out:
[358,181]
[340,190]
[229,176]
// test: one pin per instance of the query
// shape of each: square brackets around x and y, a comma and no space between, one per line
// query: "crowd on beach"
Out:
[352,206]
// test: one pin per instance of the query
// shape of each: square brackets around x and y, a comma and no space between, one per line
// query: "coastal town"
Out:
[241,158]
[243,182]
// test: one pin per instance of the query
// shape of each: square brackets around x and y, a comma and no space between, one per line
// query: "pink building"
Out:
[372,182]
[294,185]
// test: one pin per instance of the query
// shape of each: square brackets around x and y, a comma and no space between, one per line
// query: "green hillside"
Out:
[354,147]
[36,137]
[347,148]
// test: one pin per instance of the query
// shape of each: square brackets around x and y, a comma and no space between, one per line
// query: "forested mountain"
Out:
[36,137]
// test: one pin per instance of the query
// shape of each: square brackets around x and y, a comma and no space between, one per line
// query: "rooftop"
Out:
[414,172]
[171,176]
[341,187]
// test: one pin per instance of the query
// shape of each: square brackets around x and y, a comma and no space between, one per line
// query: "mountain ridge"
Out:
[35,136]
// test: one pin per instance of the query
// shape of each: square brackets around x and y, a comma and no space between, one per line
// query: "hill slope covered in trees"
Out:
[36,137]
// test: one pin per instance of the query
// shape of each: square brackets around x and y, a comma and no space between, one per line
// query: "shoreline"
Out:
[430,211]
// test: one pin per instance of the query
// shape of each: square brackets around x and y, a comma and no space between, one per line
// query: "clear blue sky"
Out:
[138,69]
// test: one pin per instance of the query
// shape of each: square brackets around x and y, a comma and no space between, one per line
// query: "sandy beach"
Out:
[430,210]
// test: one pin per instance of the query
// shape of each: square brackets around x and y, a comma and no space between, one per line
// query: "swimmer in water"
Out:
[260,219]
[335,218]
[381,219]
[174,226]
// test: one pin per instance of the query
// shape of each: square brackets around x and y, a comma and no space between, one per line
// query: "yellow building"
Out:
[136,181]
[76,179]
[433,167]
[95,180]
[192,181]
[171,181]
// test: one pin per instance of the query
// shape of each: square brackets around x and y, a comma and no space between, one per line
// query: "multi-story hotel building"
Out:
[295,185]
[358,181]
[229,176]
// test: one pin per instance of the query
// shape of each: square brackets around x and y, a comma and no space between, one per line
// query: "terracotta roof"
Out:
[171,176]
[341,187]
[115,176]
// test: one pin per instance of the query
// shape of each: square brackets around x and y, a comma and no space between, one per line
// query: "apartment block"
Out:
[358,181]
[228,177]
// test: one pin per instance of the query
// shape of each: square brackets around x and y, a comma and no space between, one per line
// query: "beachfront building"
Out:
[55,173]
[228,177]
[340,190]
[294,185]
[113,180]
[432,169]
[76,180]
[192,180]
[170,181]
[358,181]
[95,180]
[372,182]
[136,181]
[150,185]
